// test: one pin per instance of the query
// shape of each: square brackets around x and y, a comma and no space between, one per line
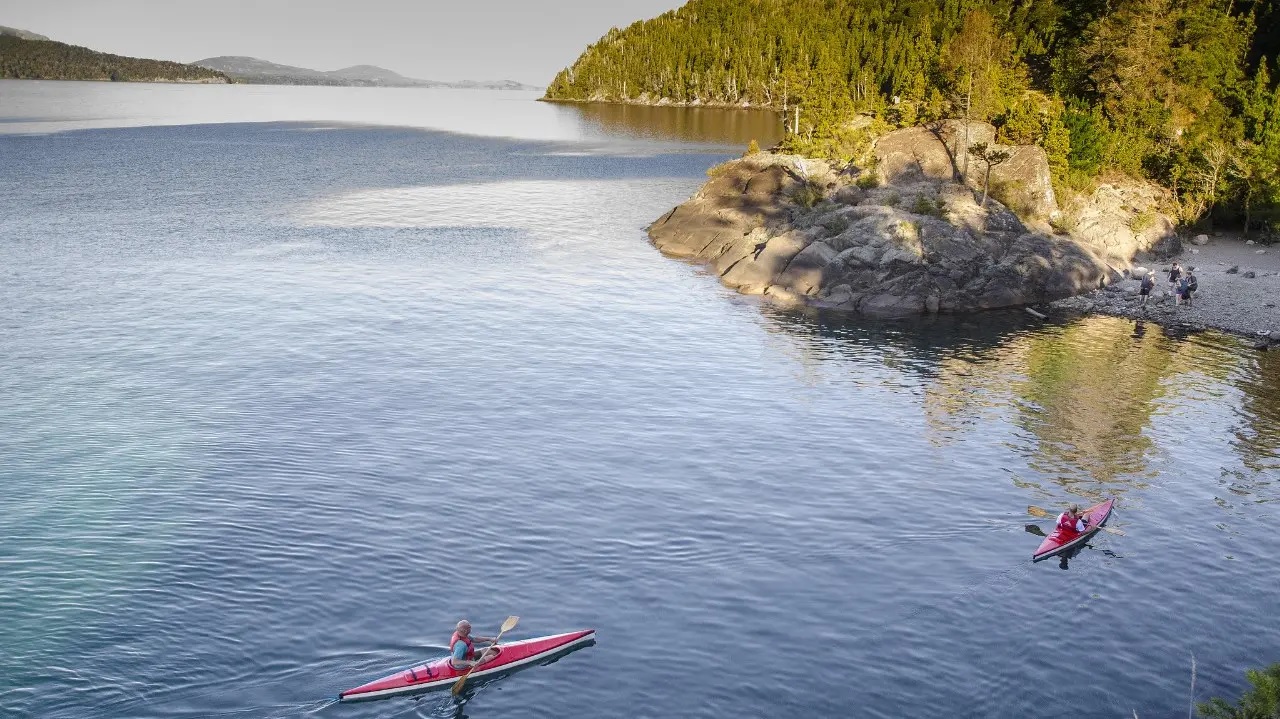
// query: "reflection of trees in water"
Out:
[1258,440]
[693,124]
[1085,393]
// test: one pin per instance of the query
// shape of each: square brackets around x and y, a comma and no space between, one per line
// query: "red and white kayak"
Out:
[441,675]
[1061,540]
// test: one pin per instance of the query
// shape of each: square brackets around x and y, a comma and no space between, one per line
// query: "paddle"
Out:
[1038,512]
[506,627]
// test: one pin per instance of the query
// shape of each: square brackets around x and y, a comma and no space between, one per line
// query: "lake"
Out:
[295,378]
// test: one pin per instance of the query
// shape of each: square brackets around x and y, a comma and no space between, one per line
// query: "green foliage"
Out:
[925,206]
[1021,124]
[1142,221]
[48,60]
[1255,172]
[717,170]
[990,158]
[1065,222]
[836,224]
[843,144]
[753,147]
[1262,701]
[1087,138]
[1181,92]
[808,194]
[868,180]
[1056,142]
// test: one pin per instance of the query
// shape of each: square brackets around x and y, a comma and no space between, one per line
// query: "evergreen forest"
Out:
[1180,92]
[48,60]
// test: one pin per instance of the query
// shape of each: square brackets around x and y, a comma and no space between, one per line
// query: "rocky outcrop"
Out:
[1122,219]
[938,152]
[906,234]
[920,244]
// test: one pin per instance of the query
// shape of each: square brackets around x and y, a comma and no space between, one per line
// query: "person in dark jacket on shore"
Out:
[1175,275]
[1148,284]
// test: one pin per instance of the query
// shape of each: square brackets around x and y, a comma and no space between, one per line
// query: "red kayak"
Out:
[1061,540]
[440,675]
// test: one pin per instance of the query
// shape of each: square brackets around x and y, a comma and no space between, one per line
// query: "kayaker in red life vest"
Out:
[462,648]
[1072,521]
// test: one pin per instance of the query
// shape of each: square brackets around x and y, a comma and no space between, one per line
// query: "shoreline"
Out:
[148,81]
[263,84]
[1239,291]
[669,103]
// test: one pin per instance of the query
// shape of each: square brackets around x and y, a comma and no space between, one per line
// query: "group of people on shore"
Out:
[1182,285]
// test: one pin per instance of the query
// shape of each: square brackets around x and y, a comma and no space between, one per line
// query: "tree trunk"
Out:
[986,183]
[1248,193]
[968,106]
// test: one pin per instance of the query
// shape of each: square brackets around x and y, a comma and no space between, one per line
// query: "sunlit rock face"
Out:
[798,231]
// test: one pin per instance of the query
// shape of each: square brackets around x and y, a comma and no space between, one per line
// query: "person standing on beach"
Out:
[1175,274]
[1189,285]
[1148,284]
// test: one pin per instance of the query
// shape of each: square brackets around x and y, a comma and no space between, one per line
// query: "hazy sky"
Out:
[524,40]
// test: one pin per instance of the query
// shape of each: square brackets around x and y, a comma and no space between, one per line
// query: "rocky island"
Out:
[939,160]
[906,233]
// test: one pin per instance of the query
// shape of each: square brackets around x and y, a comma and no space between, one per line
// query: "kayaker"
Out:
[1072,520]
[462,648]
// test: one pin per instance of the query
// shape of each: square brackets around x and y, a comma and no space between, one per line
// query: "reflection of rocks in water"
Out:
[1176,331]
[691,124]
[920,346]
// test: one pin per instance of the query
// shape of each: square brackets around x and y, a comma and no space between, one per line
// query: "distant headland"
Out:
[27,55]
[256,71]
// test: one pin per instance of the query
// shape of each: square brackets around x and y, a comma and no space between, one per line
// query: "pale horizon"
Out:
[482,40]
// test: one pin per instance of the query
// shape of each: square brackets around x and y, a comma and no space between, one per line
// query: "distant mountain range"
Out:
[253,70]
[28,55]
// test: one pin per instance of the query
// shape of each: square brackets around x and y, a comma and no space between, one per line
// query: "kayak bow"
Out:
[440,674]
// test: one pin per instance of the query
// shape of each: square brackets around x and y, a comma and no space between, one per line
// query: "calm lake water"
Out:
[294,378]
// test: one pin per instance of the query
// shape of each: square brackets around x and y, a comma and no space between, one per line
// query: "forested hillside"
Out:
[1179,91]
[48,60]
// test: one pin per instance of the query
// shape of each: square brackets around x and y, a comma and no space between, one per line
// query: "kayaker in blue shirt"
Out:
[462,648]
